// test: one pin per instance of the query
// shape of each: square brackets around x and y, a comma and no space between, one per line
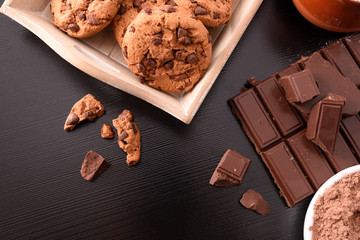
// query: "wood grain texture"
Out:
[166,196]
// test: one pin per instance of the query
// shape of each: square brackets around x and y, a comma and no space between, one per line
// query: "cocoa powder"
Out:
[337,211]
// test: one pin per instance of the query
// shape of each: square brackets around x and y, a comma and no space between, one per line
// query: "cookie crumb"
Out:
[128,136]
[107,131]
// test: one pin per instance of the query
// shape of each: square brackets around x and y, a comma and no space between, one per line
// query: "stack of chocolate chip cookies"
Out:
[165,42]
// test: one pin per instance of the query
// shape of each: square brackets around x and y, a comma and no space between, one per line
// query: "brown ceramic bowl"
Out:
[332,15]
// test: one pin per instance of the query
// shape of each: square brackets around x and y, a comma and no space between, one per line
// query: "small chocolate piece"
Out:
[93,165]
[282,112]
[231,169]
[107,131]
[330,80]
[339,56]
[256,122]
[299,87]
[254,201]
[324,122]
[287,174]
[350,127]
[310,158]
[342,157]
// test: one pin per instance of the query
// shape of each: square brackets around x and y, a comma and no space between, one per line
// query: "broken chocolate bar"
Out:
[299,87]
[230,170]
[254,201]
[324,122]
[93,165]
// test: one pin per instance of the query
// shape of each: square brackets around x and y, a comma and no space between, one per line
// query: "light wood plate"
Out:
[101,57]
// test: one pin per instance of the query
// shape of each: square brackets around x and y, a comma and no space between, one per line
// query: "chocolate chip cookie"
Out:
[211,13]
[87,108]
[129,136]
[83,18]
[167,48]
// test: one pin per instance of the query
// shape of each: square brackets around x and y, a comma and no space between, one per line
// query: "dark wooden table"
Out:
[167,195]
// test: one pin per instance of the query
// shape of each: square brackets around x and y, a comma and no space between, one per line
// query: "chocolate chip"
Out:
[132,126]
[73,119]
[171,3]
[81,15]
[158,35]
[147,10]
[169,65]
[203,53]
[124,51]
[141,79]
[123,135]
[181,32]
[141,68]
[191,58]
[156,40]
[90,115]
[179,77]
[168,9]
[179,54]
[216,16]
[186,41]
[137,3]
[92,20]
[150,62]
[122,10]
[200,11]
[73,27]
[131,29]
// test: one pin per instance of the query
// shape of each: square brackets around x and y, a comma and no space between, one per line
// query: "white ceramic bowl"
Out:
[329,183]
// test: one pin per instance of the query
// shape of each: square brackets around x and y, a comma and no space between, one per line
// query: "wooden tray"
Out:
[101,57]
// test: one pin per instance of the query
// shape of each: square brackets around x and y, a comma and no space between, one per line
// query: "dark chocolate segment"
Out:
[299,87]
[93,165]
[255,119]
[285,116]
[230,170]
[310,158]
[352,42]
[287,174]
[324,122]
[350,128]
[339,56]
[254,201]
[342,157]
[330,80]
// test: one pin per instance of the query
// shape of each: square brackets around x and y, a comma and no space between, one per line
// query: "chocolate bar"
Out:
[230,170]
[338,55]
[310,158]
[287,174]
[278,132]
[299,87]
[324,122]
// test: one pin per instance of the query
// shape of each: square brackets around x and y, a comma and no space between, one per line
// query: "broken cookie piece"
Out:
[231,169]
[107,131]
[129,136]
[87,108]
[93,165]
[254,201]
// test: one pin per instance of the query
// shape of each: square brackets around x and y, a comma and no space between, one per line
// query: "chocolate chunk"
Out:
[181,32]
[90,115]
[287,174]
[199,10]
[180,54]
[179,77]
[92,19]
[141,68]
[287,71]
[299,87]
[216,16]
[169,65]
[131,29]
[147,10]
[72,119]
[93,165]
[248,108]
[150,62]
[73,27]
[324,122]
[137,3]
[81,15]
[191,58]
[157,39]
[230,170]
[123,135]
[107,131]
[168,9]
[254,201]
[329,80]
[285,116]
[171,3]
[310,158]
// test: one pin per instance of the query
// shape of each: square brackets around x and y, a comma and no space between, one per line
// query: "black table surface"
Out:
[167,195]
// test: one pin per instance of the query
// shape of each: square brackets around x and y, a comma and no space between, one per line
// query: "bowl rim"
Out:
[308,222]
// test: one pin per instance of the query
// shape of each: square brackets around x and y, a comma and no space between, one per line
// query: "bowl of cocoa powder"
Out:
[334,211]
